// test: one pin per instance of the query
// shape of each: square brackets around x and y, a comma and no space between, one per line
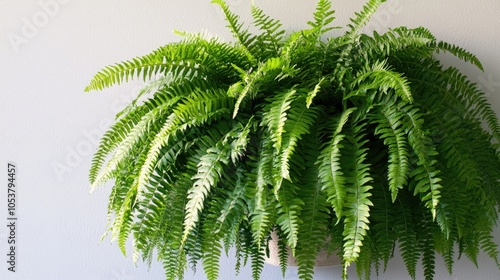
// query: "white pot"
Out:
[322,259]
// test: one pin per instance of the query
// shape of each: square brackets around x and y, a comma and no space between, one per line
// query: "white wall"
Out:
[49,126]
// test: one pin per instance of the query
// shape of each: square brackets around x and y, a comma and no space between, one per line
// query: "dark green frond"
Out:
[390,128]
[405,229]
[289,208]
[460,53]
[424,178]
[397,40]
[315,213]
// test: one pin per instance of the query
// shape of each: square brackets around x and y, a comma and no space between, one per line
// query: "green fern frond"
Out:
[113,136]
[397,40]
[173,263]
[152,202]
[263,173]
[211,253]
[262,208]
[381,78]
[330,170]
[257,262]
[173,255]
[407,235]
[196,109]
[233,207]
[488,245]
[315,213]
[223,56]
[210,169]
[383,221]
[362,19]
[299,121]
[269,70]
[179,59]
[129,131]
[121,130]
[460,53]
[134,137]
[357,205]
[364,263]
[444,246]
[323,16]
[312,93]
[272,36]
[426,245]
[117,197]
[425,178]
[275,115]
[152,87]
[123,223]
[283,249]
[244,37]
[289,208]
[261,223]
[390,129]
[147,65]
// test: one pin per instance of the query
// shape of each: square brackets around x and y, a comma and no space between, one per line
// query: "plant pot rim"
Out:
[323,258]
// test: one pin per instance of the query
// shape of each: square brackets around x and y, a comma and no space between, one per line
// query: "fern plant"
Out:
[363,140]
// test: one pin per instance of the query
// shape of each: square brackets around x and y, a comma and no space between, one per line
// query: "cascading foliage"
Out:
[365,141]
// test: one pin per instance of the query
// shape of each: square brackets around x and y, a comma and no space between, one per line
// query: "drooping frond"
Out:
[133,138]
[211,254]
[300,119]
[382,79]
[289,207]
[425,176]
[275,116]
[112,138]
[330,170]
[262,207]
[397,40]
[426,245]
[390,128]
[357,204]
[196,109]
[460,53]
[210,169]
[315,213]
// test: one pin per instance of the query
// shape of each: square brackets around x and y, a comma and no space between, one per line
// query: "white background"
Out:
[49,127]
